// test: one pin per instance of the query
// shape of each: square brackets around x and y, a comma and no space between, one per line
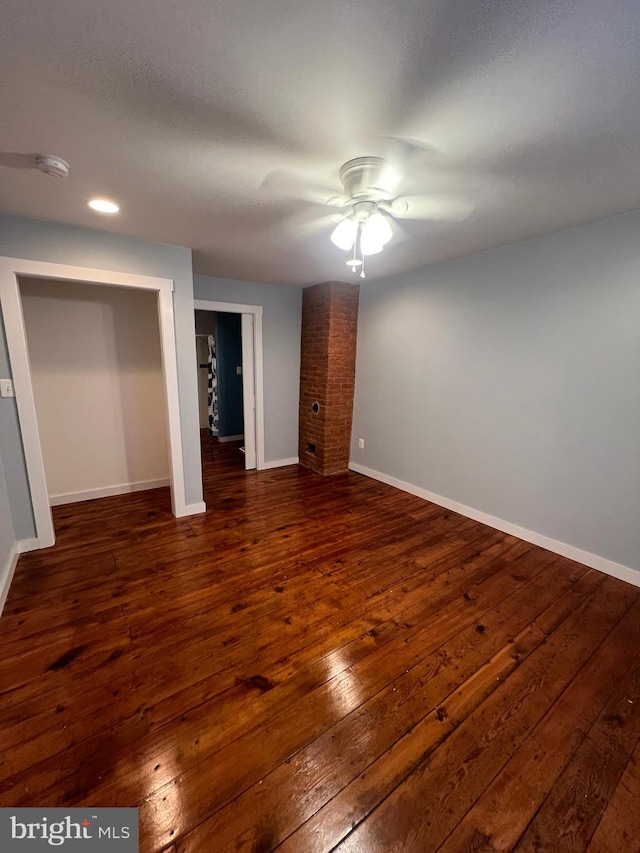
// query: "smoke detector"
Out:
[52,165]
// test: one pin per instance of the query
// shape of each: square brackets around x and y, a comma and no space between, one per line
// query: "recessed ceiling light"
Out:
[103,205]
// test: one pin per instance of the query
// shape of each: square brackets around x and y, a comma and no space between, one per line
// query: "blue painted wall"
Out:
[229,357]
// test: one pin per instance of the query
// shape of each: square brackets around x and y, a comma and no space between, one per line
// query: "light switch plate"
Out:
[239,371]
[6,388]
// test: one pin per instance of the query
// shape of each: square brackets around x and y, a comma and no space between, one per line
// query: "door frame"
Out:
[256,424]
[11,303]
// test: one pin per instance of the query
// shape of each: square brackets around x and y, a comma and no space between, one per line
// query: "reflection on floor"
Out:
[318,664]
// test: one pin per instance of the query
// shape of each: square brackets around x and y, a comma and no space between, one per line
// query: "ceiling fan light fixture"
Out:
[365,230]
[344,234]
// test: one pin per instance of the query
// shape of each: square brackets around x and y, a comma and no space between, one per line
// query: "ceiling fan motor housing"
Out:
[361,178]
[362,210]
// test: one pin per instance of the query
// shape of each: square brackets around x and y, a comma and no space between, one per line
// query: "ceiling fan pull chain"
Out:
[359,244]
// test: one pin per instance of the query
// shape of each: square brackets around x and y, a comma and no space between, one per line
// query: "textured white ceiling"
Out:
[178,109]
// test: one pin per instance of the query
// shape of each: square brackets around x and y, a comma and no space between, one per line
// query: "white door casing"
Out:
[252,376]
[248,392]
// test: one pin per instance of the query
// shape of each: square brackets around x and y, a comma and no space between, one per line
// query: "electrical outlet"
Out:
[361,443]
[6,388]
[239,371]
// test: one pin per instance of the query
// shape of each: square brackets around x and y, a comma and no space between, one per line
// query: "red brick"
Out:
[327,374]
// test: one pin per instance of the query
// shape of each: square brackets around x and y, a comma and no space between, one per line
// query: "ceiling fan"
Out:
[371,204]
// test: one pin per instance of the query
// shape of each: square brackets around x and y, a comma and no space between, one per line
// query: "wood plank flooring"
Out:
[320,664]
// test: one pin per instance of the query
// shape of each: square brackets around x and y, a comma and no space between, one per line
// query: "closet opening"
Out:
[12,271]
[96,371]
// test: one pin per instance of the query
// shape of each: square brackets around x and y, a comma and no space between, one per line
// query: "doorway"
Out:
[243,378]
[10,270]
[220,379]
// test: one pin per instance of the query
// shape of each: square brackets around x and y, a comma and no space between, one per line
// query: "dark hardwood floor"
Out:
[320,664]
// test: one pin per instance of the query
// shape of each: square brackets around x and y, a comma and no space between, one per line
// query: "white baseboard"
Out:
[280,463]
[8,569]
[191,509]
[34,544]
[109,491]
[6,574]
[593,561]
[222,438]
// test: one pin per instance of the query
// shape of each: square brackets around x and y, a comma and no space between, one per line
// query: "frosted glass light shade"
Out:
[377,229]
[369,246]
[344,234]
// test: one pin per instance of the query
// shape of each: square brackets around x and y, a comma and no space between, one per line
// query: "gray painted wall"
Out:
[509,381]
[11,455]
[281,321]
[7,538]
[68,244]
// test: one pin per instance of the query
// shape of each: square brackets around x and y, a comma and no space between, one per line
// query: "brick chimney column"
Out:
[327,375]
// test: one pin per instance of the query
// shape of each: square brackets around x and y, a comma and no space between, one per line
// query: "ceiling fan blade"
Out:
[403,154]
[286,184]
[312,227]
[399,233]
[445,206]
[403,148]
[17,161]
